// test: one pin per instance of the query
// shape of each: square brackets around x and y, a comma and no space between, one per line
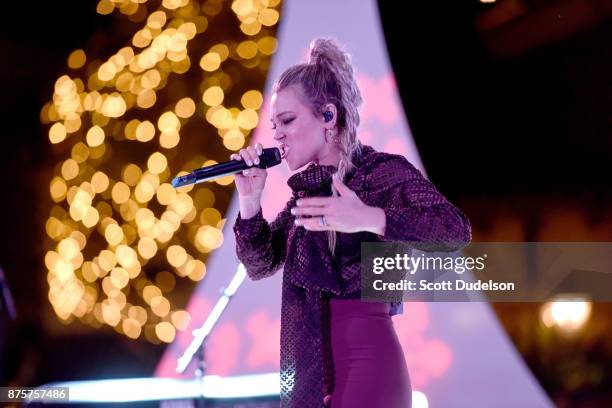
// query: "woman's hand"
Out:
[344,213]
[250,183]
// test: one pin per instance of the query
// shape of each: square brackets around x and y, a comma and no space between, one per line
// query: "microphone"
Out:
[270,157]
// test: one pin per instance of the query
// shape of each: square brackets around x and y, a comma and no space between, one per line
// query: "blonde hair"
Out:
[328,77]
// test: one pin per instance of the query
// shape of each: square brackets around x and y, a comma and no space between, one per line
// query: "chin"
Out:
[291,168]
[292,165]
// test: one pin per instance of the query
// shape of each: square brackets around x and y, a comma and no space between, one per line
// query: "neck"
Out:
[329,157]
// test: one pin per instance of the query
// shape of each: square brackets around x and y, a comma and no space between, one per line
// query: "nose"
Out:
[278,135]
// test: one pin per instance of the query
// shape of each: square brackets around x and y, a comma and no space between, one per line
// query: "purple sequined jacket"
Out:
[415,211]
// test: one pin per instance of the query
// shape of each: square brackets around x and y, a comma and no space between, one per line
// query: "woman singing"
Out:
[335,349]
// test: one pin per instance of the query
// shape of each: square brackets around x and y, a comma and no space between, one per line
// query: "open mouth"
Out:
[284,149]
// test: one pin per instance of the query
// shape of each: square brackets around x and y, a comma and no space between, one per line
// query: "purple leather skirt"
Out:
[363,361]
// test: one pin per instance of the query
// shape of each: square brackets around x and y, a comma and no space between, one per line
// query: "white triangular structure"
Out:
[457,353]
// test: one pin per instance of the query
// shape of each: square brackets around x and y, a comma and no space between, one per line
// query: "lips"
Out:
[284,150]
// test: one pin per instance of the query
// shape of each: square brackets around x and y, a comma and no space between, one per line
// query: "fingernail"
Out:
[297,222]
[250,163]
[298,202]
[246,172]
[293,211]
[256,161]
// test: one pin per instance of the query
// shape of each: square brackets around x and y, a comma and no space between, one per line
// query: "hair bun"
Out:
[324,50]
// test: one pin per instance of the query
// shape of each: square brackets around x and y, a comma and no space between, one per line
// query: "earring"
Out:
[330,137]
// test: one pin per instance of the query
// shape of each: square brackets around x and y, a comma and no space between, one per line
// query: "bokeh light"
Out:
[121,239]
[568,313]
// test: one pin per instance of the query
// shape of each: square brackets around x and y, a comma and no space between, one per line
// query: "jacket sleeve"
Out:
[415,211]
[262,246]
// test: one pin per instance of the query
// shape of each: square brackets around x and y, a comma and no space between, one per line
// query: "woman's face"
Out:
[300,134]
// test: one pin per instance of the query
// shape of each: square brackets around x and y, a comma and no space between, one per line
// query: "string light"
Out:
[121,133]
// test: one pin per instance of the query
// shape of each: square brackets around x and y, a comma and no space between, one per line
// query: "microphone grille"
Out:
[270,156]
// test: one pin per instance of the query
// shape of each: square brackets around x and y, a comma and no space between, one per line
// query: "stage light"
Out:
[419,400]
[569,313]
[157,389]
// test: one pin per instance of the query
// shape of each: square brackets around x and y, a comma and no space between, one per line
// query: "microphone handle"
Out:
[269,157]
[219,170]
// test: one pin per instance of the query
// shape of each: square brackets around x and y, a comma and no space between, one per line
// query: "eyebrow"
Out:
[280,114]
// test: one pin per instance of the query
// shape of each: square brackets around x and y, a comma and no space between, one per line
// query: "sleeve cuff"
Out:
[246,229]
[443,228]
[395,228]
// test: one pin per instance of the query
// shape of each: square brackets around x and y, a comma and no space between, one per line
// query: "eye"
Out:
[285,122]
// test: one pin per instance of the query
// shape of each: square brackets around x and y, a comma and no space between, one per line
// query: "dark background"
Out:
[539,121]
[505,129]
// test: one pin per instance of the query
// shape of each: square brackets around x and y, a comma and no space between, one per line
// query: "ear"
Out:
[332,108]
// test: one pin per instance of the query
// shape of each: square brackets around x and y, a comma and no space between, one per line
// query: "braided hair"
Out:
[328,77]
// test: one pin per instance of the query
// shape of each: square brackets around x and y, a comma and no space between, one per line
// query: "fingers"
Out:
[313,211]
[254,172]
[246,156]
[250,155]
[312,224]
[315,201]
[253,156]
